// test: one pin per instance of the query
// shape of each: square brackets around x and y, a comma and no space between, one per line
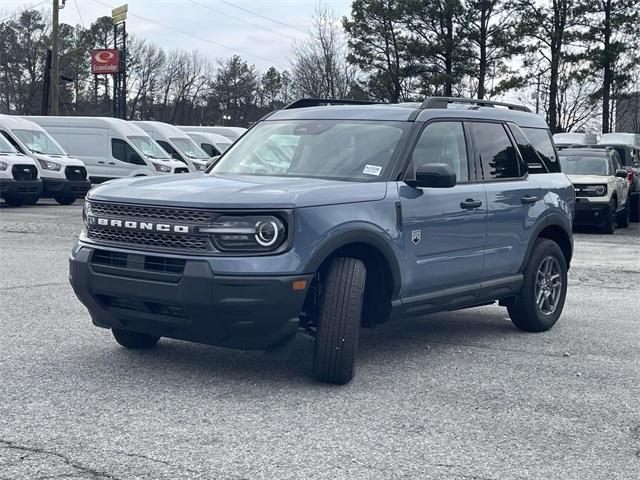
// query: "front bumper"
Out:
[20,188]
[182,298]
[589,213]
[53,187]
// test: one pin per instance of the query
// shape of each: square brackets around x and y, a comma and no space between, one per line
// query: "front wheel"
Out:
[14,201]
[610,226]
[134,340]
[544,289]
[65,199]
[339,321]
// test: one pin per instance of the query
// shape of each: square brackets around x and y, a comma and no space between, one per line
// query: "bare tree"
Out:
[319,67]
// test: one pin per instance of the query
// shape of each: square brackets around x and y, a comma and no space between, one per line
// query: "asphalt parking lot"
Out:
[460,395]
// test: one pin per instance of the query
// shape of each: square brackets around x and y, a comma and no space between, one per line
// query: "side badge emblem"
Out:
[416,236]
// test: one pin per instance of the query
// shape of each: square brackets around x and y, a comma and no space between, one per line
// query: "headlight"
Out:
[591,190]
[200,167]
[47,165]
[3,166]
[86,211]
[253,233]
[162,168]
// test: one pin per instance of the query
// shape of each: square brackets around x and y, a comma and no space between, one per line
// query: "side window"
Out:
[443,142]
[122,151]
[541,140]
[532,161]
[498,157]
[12,141]
[170,150]
[117,149]
[210,149]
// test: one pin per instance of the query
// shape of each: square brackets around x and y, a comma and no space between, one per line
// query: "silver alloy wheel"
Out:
[548,285]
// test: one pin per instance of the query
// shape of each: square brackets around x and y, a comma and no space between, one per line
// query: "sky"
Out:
[261,31]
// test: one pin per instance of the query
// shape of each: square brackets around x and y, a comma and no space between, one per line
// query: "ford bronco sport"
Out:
[331,215]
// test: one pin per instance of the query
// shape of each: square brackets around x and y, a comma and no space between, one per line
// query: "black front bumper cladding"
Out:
[183,298]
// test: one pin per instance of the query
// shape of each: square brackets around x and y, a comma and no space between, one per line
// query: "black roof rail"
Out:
[321,102]
[443,102]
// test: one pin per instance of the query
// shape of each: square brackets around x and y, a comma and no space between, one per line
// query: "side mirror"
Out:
[622,173]
[434,175]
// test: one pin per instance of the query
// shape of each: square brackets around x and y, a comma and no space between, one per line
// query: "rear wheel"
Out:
[339,318]
[544,289]
[134,340]
[65,199]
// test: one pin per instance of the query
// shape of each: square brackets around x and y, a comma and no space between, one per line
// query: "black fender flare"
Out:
[358,235]
[551,220]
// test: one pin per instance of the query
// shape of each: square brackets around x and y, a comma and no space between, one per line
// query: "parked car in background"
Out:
[630,159]
[176,143]
[601,186]
[110,147]
[19,182]
[563,140]
[63,177]
[232,133]
[212,143]
[380,211]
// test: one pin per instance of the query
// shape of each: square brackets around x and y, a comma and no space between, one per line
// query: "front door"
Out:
[443,228]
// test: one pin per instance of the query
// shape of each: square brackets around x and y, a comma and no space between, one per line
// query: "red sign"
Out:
[105,61]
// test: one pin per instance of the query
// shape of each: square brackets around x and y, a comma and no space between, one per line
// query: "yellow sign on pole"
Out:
[119,14]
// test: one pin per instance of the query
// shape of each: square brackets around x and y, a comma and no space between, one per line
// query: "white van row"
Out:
[70,152]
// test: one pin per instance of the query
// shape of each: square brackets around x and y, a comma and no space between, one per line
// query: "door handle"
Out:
[528,199]
[112,163]
[470,204]
[100,161]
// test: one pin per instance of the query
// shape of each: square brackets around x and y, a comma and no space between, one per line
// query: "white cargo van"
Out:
[110,147]
[63,177]
[232,133]
[212,143]
[19,182]
[177,144]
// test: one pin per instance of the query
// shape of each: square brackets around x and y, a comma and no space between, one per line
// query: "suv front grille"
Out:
[152,213]
[24,172]
[153,240]
[75,173]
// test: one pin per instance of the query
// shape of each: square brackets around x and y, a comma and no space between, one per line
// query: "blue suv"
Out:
[329,216]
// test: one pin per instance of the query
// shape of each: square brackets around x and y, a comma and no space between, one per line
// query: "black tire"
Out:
[623,217]
[525,312]
[134,340]
[65,199]
[634,206]
[31,200]
[339,321]
[610,226]
[14,201]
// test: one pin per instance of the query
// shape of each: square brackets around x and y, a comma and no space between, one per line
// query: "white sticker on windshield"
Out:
[372,170]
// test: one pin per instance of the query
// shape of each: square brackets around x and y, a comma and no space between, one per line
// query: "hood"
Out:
[588,179]
[63,160]
[209,191]
[16,158]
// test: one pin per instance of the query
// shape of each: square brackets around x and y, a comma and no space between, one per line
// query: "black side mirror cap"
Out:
[434,175]
[622,173]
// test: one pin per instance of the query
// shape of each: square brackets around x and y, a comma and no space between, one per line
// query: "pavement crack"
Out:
[10,445]
[18,287]
[157,460]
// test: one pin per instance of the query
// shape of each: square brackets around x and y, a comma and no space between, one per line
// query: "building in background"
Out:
[628,113]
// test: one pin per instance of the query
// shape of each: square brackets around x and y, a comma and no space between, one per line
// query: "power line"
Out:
[79,14]
[20,12]
[202,39]
[242,20]
[246,10]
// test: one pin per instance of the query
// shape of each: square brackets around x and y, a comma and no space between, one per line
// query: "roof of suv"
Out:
[403,112]
[593,152]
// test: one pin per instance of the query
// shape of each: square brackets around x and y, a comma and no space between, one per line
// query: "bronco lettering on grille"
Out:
[138,225]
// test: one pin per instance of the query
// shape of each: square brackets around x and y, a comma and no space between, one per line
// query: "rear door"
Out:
[514,198]
[443,228]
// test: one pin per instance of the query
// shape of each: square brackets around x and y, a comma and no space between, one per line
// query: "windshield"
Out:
[149,148]
[332,149]
[584,165]
[223,146]
[5,146]
[39,141]
[189,148]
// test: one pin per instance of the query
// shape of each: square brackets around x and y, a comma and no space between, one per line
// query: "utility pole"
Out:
[55,59]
